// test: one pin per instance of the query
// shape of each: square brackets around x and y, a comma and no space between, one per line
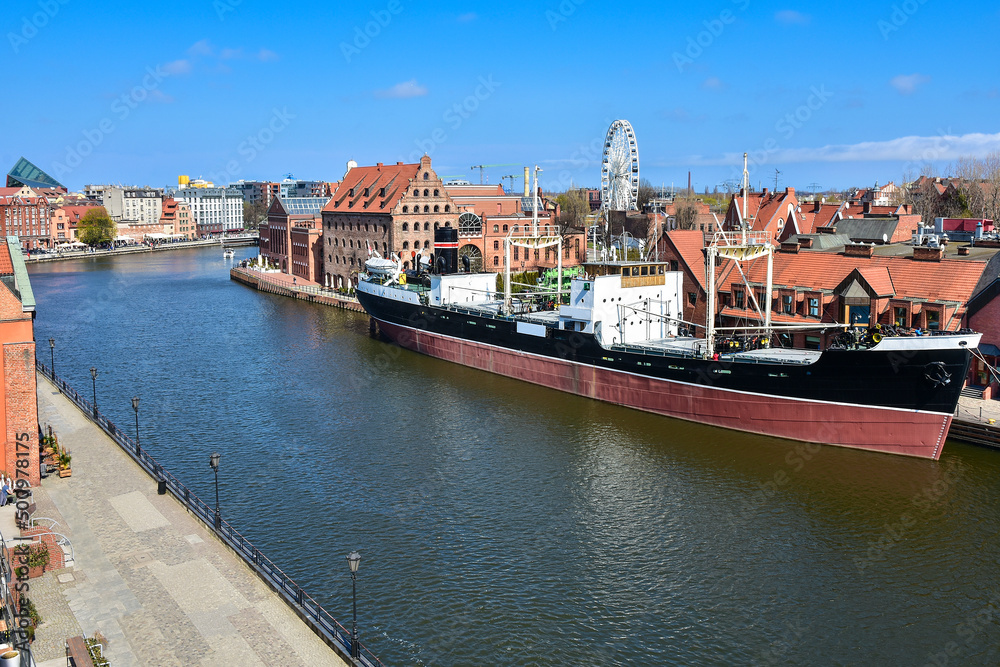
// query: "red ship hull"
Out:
[880,429]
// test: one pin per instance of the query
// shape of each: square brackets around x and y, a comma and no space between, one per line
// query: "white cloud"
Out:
[713,83]
[792,17]
[906,84]
[403,90]
[177,67]
[201,48]
[266,55]
[906,149]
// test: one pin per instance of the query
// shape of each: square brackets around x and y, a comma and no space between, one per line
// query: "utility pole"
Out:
[776,172]
[815,189]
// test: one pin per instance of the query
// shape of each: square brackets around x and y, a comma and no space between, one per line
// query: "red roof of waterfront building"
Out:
[372,189]
[6,264]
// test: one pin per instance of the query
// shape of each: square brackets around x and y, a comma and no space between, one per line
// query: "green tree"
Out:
[96,227]
[254,214]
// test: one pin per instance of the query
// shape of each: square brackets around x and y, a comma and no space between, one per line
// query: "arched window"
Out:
[496,261]
[406,245]
[366,226]
[505,228]
[436,225]
[427,226]
[425,193]
[447,208]
[427,244]
[352,243]
[515,229]
[496,229]
[416,193]
[406,227]
[427,209]
[405,209]
[469,224]
[436,193]
[436,208]
[496,245]
[426,177]
[447,224]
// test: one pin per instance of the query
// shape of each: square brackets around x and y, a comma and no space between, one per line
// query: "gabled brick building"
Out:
[767,211]
[18,402]
[395,208]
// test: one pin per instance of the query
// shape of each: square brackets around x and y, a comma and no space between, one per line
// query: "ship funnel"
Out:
[446,249]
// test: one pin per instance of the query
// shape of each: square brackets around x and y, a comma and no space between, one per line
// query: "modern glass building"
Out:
[25,173]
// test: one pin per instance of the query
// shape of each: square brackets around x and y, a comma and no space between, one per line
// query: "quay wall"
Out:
[180,245]
[320,295]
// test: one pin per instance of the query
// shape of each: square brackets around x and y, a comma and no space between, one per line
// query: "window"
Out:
[787,301]
[738,298]
[496,229]
[812,342]
[496,245]
[406,227]
[436,193]
[692,298]
[427,209]
[427,244]
[673,265]
[447,208]
[496,261]
[899,317]
[426,193]
[813,304]
[516,253]
[405,209]
[933,320]
[505,228]
[416,193]
[406,245]
[426,177]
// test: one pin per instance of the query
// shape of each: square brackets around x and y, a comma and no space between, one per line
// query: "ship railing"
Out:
[304,605]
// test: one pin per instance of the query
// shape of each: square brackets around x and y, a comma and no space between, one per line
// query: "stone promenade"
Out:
[148,575]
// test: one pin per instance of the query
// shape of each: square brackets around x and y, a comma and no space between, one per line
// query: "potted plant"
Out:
[64,461]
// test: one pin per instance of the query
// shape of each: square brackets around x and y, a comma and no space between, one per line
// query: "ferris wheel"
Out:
[620,169]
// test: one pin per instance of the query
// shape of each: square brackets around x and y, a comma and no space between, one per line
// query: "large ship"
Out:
[620,338]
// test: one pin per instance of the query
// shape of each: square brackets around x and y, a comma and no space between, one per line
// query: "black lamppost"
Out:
[354,560]
[93,376]
[135,407]
[214,462]
[52,352]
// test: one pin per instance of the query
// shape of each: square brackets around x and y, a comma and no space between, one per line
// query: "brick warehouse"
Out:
[395,208]
[18,402]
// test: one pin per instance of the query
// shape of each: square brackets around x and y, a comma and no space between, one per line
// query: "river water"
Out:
[503,523]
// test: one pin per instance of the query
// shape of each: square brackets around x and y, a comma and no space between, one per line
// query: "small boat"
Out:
[228,253]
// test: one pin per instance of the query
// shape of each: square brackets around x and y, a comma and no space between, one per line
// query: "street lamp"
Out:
[52,352]
[214,462]
[135,407]
[354,560]
[93,376]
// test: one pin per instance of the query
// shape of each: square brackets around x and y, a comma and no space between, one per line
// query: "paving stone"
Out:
[147,574]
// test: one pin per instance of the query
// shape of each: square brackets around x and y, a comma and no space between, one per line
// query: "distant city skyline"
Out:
[835,96]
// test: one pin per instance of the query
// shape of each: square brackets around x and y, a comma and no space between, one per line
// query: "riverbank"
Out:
[284,285]
[148,575]
[233,241]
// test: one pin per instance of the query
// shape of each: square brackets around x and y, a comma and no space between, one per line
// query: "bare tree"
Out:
[685,214]
[646,193]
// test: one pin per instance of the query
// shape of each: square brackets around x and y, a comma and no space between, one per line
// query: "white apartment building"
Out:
[131,205]
[213,210]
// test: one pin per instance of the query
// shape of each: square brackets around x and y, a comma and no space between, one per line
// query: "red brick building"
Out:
[765,211]
[295,223]
[487,215]
[26,217]
[18,403]
[395,208]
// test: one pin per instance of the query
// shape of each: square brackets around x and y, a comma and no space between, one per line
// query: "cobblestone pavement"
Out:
[148,575]
[977,410]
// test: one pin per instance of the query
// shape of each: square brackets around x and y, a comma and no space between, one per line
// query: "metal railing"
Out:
[307,289]
[325,625]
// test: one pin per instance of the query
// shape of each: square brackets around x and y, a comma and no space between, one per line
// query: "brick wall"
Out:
[22,411]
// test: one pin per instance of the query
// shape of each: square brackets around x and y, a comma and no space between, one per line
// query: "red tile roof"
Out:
[689,244]
[879,279]
[6,264]
[385,186]
[763,209]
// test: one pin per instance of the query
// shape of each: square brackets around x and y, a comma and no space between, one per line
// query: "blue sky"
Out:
[836,94]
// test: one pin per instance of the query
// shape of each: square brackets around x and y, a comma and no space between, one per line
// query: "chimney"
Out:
[867,207]
[922,253]
[806,241]
[859,250]
[816,206]
[527,187]
[789,247]
[789,191]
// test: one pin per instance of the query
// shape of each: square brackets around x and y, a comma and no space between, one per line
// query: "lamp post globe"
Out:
[213,461]
[135,407]
[353,561]
[93,377]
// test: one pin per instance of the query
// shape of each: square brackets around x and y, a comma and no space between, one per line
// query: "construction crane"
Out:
[511,177]
[480,167]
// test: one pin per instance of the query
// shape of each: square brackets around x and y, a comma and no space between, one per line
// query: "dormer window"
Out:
[426,176]
[350,193]
[381,192]
[366,191]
